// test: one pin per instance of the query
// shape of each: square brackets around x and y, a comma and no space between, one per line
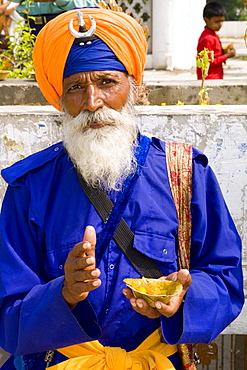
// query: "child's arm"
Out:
[210,45]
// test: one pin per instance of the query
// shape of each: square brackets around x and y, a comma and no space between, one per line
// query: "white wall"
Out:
[176,27]
[233,29]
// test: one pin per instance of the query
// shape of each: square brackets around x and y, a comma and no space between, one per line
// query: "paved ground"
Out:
[235,68]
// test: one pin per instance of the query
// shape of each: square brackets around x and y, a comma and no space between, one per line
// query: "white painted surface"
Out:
[233,29]
[177,26]
[219,131]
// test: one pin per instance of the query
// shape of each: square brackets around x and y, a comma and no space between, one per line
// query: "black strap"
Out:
[123,236]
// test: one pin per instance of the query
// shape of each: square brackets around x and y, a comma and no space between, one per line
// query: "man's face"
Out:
[89,91]
[100,130]
[214,23]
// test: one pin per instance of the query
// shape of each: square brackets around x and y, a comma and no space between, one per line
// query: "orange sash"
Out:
[151,354]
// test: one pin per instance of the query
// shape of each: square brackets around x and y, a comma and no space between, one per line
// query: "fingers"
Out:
[182,275]
[169,309]
[87,246]
[161,309]
[141,306]
[90,236]
[81,257]
[81,274]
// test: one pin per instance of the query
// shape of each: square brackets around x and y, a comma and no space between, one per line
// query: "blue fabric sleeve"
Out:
[32,295]
[216,295]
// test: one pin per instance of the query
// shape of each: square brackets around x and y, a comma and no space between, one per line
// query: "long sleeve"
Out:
[209,42]
[32,295]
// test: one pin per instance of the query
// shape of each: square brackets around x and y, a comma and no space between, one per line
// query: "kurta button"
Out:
[111,266]
[56,149]
[165,251]
[60,266]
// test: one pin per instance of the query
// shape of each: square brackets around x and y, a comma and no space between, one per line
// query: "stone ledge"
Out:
[231,92]
[175,110]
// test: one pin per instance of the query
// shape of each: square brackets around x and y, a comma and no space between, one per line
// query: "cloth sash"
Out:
[151,354]
[179,167]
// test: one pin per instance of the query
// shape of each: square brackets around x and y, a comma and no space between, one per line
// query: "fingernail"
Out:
[96,283]
[133,303]
[158,305]
[94,273]
[90,260]
[139,304]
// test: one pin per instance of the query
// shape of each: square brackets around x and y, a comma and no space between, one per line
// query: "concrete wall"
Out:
[161,90]
[219,131]
[233,29]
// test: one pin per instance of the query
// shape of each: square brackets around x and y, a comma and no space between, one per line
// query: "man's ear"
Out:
[206,20]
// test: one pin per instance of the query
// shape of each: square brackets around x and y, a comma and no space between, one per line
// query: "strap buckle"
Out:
[38,20]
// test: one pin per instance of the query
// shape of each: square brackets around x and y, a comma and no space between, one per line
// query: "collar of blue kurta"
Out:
[123,196]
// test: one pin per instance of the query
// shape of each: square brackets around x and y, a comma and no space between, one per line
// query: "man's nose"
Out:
[92,98]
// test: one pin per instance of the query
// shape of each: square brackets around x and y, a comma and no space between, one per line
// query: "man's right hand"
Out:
[81,275]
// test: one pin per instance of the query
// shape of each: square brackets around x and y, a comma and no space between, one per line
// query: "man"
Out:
[61,269]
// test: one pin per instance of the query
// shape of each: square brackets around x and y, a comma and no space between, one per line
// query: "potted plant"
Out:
[17,59]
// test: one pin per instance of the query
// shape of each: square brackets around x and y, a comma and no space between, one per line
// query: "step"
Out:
[227,92]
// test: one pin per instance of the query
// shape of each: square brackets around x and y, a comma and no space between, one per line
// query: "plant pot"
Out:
[3,74]
[33,76]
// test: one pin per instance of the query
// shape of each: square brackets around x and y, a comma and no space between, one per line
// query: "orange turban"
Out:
[119,31]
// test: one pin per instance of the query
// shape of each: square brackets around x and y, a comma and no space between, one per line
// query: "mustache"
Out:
[103,116]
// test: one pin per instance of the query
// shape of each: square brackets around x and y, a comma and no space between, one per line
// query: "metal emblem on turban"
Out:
[83,33]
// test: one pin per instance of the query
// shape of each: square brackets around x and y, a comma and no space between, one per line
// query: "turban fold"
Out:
[122,33]
[94,57]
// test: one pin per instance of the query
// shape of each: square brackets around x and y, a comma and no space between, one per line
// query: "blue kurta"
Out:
[44,214]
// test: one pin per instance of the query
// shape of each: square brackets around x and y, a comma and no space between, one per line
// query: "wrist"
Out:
[69,299]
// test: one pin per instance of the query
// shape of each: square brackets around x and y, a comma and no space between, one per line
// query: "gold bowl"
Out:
[152,290]
[3,74]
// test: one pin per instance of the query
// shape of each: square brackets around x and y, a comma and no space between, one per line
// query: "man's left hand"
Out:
[165,309]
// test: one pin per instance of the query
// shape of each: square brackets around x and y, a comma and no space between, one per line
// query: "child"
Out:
[214,16]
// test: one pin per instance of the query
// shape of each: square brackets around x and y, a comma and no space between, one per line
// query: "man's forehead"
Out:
[94,75]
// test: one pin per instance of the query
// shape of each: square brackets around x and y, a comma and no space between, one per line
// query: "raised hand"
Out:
[81,274]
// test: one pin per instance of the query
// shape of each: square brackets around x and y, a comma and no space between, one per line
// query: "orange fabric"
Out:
[119,31]
[151,354]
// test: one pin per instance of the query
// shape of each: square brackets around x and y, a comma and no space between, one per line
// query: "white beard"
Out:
[104,156]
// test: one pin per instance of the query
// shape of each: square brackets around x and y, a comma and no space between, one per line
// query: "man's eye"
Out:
[74,87]
[108,81]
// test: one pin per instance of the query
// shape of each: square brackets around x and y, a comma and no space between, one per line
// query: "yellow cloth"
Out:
[151,354]
[121,32]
